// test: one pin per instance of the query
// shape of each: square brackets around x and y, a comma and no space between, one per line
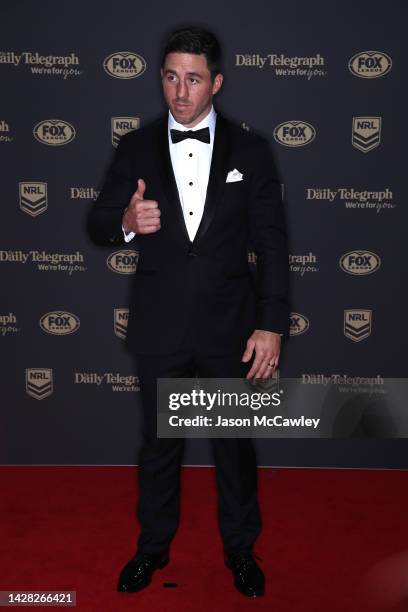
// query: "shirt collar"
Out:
[208,121]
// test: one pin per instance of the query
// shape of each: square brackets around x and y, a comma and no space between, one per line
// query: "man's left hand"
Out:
[267,351]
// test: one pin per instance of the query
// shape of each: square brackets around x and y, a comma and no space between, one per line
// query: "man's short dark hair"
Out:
[196,41]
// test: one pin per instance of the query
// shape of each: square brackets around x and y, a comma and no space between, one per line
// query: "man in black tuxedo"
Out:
[205,190]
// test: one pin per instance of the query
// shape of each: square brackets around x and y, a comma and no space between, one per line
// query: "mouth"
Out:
[181,105]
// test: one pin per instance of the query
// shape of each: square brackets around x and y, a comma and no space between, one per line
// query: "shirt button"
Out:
[190,213]
[190,183]
[190,155]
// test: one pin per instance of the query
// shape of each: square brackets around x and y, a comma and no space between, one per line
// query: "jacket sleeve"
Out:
[269,241]
[105,217]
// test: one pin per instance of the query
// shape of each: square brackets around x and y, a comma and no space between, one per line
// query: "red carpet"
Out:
[333,540]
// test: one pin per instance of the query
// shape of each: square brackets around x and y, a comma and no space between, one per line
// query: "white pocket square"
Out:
[234,175]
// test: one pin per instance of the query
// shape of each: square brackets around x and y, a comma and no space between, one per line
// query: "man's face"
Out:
[188,87]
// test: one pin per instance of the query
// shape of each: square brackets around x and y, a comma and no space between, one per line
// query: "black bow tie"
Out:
[202,135]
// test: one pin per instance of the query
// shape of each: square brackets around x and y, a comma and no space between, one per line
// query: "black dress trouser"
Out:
[160,459]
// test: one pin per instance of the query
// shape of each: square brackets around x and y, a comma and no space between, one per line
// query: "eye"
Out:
[171,78]
[193,80]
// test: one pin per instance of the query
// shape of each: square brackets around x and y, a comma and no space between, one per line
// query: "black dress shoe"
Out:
[248,576]
[137,573]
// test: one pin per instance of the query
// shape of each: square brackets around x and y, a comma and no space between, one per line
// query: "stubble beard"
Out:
[187,121]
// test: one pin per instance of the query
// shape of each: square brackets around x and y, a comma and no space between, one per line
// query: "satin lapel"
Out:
[217,178]
[167,175]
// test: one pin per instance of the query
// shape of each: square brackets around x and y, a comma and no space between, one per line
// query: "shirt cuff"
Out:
[128,236]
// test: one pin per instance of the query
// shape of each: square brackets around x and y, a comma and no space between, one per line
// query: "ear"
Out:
[161,72]
[217,83]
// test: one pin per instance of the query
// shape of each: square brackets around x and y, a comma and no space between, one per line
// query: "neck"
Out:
[196,121]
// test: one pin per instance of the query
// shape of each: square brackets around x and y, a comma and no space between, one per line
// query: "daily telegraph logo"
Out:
[83,193]
[121,126]
[5,135]
[124,65]
[8,324]
[120,322]
[344,380]
[59,323]
[299,324]
[33,198]
[50,65]
[54,132]
[123,262]
[39,382]
[366,133]
[115,380]
[46,262]
[294,133]
[301,264]
[354,198]
[284,65]
[357,324]
[360,262]
[370,64]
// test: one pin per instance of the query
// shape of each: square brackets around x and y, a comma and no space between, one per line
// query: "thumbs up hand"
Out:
[141,216]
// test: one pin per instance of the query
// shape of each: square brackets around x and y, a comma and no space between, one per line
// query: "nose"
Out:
[182,91]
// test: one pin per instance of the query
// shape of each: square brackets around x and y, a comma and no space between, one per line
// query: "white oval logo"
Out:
[294,133]
[54,132]
[360,262]
[59,323]
[124,65]
[123,262]
[370,64]
[299,324]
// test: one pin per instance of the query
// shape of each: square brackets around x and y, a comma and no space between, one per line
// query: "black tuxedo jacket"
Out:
[202,288]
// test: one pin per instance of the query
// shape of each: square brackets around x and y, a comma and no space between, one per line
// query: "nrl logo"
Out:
[299,324]
[357,324]
[39,383]
[366,133]
[33,198]
[120,322]
[121,126]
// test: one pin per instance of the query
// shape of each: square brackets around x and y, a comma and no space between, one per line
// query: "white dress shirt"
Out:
[191,161]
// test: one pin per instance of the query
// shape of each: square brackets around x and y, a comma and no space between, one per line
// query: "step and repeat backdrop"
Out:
[323,81]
